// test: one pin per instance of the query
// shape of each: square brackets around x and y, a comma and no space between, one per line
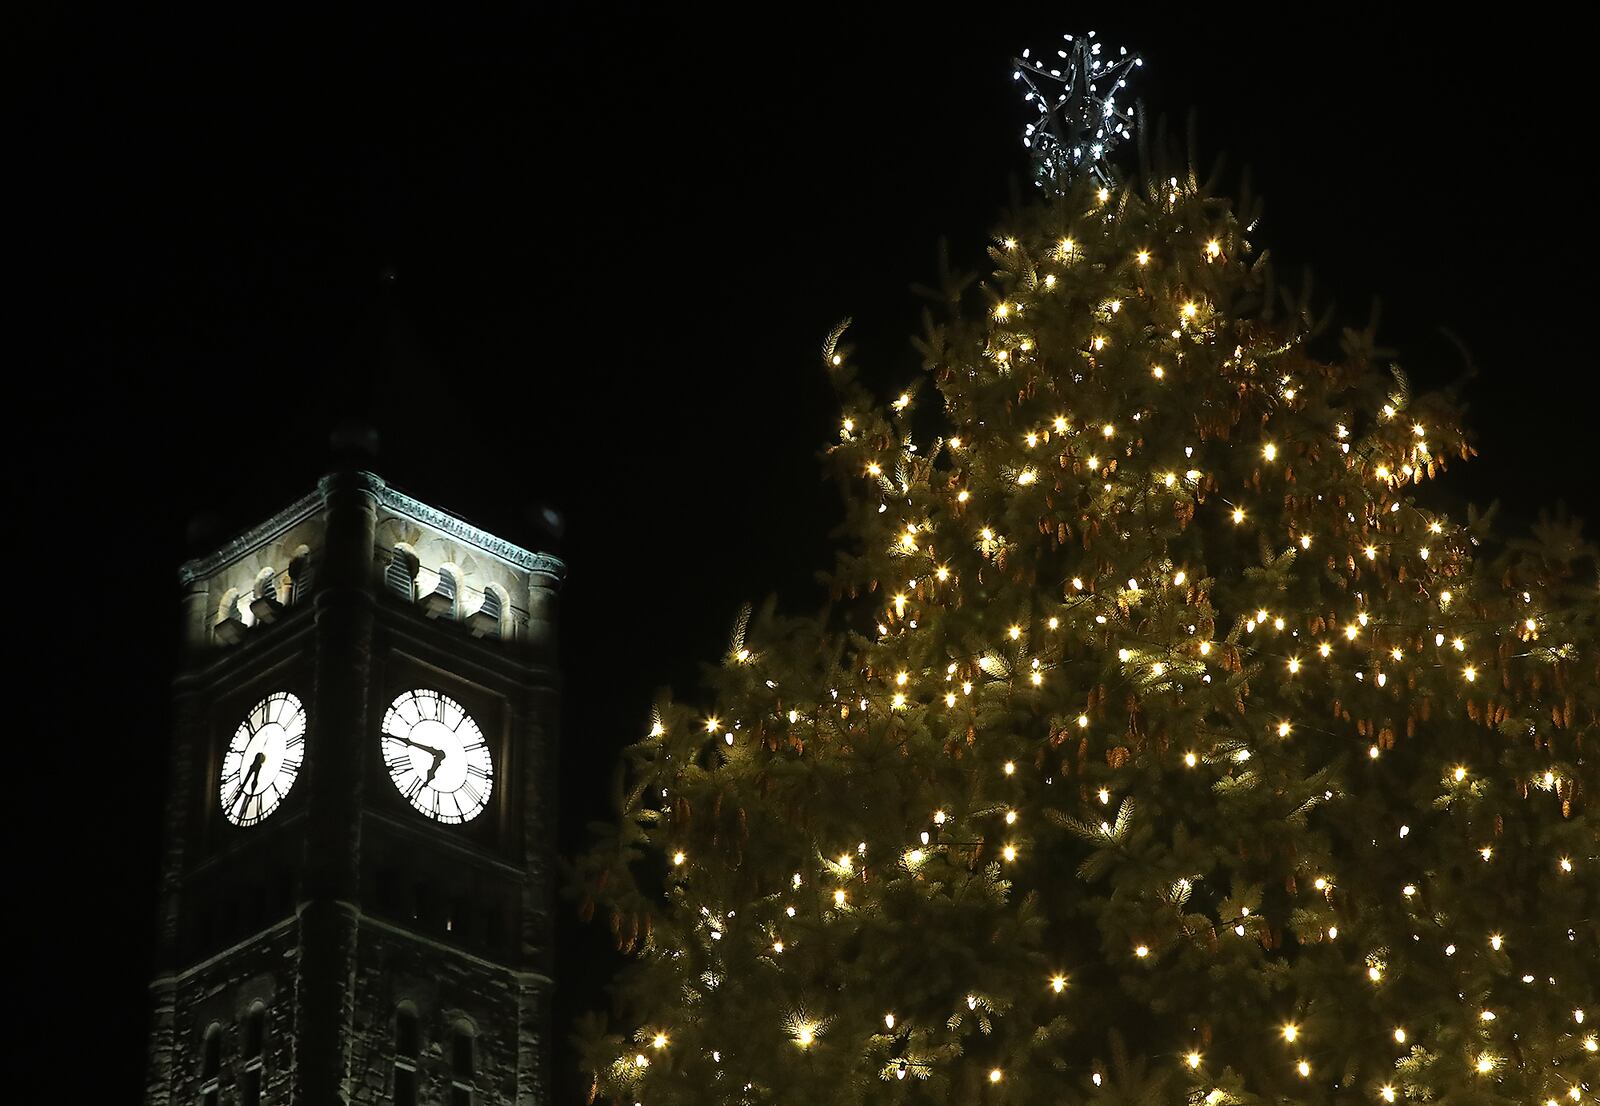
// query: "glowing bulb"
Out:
[1058,983]
[888,1021]
[678,859]
[1283,729]
[1386,1092]
[838,898]
[1269,451]
[1303,1068]
[1294,664]
[1470,673]
[963,495]
[1009,852]
[1495,941]
[1193,1059]
[1143,257]
[1238,514]
[1190,310]
[777,946]
[660,1040]
[1142,951]
[995,1075]
[1291,1031]
[712,725]
[1010,768]
[1179,577]
[941,573]
[1190,759]
[873,469]
[1108,430]
[1399,1035]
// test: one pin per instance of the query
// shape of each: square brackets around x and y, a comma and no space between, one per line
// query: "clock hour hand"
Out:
[436,753]
[250,777]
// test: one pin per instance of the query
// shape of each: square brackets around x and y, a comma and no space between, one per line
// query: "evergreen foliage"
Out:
[1158,745]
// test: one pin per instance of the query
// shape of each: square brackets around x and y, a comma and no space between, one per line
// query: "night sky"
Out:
[585,259]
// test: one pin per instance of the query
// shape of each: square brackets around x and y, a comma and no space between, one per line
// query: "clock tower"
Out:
[356,898]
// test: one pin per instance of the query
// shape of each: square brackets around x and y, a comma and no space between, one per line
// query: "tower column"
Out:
[329,908]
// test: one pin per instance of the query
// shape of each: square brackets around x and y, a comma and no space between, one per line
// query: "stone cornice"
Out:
[253,538]
[542,563]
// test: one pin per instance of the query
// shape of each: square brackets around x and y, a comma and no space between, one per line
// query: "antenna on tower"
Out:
[1079,121]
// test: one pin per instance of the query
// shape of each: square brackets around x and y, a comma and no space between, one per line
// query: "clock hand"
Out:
[250,777]
[434,769]
[437,752]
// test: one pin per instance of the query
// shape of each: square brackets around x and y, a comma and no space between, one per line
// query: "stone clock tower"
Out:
[356,888]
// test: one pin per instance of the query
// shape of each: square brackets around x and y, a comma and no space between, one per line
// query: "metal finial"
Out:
[1079,122]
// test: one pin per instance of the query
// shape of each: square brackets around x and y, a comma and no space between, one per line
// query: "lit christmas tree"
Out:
[1158,748]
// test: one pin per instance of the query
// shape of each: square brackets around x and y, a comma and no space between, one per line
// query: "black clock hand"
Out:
[438,760]
[438,754]
[249,777]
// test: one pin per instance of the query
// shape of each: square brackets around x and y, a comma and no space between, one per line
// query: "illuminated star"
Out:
[1079,122]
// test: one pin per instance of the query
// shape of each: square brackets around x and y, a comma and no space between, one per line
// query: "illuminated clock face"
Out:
[263,759]
[437,756]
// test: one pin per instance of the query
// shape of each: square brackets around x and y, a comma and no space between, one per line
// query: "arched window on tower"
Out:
[488,619]
[300,575]
[463,1062]
[401,575]
[211,1066]
[441,601]
[230,625]
[407,1046]
[254,1056]
[264,601]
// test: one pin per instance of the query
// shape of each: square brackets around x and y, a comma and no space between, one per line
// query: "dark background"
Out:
[618,236]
